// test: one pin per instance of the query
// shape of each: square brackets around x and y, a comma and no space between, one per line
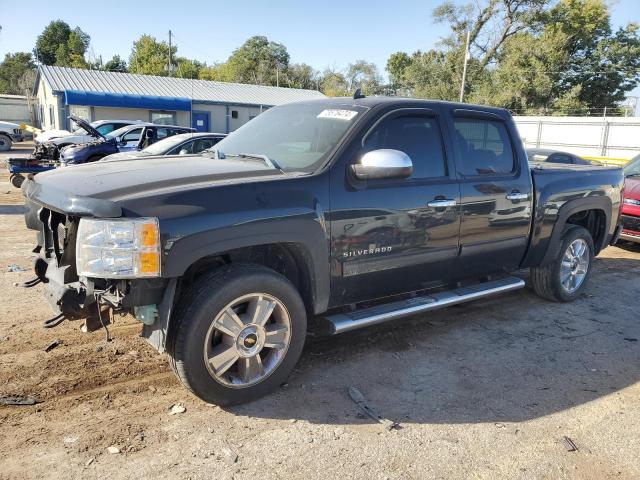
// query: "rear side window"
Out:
[483,147]
[417,136]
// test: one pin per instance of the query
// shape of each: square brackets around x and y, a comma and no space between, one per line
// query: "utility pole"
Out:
[170,64]
[464,69]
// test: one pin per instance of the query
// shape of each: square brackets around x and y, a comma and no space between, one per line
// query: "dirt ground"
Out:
[485,390]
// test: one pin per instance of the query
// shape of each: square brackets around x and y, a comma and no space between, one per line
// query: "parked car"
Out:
[182,144]
[631,205]
[348,212]
[9,133]
[555,156]
[62,138]
[125,139]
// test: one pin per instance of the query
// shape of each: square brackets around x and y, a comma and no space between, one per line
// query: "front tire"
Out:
[5,143]
[564,279]
[239,331]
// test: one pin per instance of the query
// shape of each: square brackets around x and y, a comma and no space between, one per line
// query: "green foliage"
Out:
[116,64]
[301,75]
[334,83]
[364,75]
[186,68]
[13,70]
[258,61]
[61,46]
[526,56]
[151,57]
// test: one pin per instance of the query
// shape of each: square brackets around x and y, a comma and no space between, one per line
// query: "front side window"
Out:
[483,147]
[203,144]
[133,135]
[417,136]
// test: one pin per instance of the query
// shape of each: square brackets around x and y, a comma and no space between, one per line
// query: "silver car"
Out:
[182,144]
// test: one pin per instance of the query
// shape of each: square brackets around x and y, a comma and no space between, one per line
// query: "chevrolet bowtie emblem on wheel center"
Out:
[250,341]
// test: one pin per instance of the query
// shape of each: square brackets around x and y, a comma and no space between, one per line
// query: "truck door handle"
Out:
[442,203]
[516,195]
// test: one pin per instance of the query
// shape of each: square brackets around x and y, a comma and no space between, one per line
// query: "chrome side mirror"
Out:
[383,163]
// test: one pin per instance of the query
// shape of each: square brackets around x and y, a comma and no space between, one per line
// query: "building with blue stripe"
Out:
[205,105]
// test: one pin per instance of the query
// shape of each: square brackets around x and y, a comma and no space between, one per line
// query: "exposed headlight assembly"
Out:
[631,201]
[118,248]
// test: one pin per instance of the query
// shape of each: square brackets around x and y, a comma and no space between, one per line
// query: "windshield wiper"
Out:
[268,161]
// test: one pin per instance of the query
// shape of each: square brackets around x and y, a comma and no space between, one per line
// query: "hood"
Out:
[121,180]
[632,188]
[72,150]
[87,126]
[51,134]
[124,156]
[9,125]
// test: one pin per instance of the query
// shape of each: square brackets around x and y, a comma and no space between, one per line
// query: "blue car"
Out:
[125,139]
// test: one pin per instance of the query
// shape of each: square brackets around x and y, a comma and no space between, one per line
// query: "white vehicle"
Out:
[9,133]
[182,144]
[62,138]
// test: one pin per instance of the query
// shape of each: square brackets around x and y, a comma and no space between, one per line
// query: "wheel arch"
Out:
[594,214]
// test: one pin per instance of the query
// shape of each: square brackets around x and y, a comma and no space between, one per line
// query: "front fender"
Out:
[305,229]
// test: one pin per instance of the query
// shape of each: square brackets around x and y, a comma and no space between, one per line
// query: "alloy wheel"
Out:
[574,266]
[247,340]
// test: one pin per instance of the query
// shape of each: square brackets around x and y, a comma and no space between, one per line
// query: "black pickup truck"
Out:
[345,211]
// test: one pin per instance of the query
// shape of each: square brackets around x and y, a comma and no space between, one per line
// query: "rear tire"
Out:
[5,143]
[564,279]
[237,333]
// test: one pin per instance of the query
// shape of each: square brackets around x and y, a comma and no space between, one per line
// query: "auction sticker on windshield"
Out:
[338,114]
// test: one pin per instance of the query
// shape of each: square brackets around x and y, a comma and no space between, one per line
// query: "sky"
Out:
[327,33]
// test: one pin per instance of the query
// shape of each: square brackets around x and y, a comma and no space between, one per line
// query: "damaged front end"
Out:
[92,261]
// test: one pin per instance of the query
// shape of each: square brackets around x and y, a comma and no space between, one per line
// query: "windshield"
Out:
[295,136]
[118,132]
[163,146]
[633,167]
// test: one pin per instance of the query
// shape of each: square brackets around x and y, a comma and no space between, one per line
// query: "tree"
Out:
[258,61]
[186,68]
[334,83]
[526,56]
[151,57]
[364,75]
[59,45]
[397,65]
[12,71]
[301,75]
[489,23]
[116,64]
[605,65]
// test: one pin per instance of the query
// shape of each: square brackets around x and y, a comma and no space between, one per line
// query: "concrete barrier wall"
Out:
[617,137]
[13,108]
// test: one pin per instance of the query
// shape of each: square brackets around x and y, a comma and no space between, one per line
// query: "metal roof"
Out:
[63,78]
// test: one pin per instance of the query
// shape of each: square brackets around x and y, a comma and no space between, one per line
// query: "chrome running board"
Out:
[345,322]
